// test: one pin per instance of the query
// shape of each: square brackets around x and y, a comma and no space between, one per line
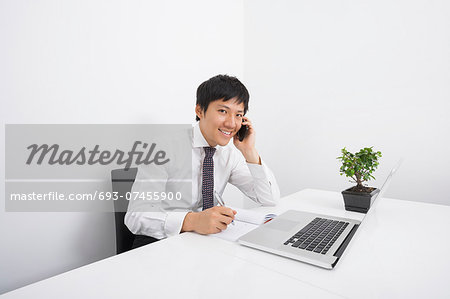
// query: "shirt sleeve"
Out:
[256,181]
[149,218]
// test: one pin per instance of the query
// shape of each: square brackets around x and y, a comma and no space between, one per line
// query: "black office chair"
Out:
[122,181]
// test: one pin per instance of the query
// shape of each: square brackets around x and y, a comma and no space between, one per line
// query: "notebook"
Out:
[244,222]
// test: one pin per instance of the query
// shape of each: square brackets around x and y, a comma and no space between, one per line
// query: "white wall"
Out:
[100,62]
[329,74]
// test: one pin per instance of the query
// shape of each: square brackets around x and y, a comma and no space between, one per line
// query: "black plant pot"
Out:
[358,201]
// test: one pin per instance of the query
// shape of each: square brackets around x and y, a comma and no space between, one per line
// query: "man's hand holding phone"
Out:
[247,145]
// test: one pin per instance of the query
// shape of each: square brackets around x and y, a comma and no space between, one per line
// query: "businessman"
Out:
[222,103]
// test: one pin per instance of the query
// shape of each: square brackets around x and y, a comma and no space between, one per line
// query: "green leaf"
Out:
[361,164]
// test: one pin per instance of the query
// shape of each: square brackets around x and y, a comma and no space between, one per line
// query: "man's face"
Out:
[221,121]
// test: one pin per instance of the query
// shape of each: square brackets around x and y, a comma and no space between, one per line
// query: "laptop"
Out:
[316,239]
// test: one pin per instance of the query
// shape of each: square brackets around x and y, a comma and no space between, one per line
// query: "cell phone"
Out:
[242,132]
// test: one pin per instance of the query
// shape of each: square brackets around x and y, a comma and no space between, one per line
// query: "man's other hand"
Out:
[209,221]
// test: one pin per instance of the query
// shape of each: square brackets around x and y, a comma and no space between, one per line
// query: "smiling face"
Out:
[221,121]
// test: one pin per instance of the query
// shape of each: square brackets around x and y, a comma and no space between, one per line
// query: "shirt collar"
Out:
[197,139]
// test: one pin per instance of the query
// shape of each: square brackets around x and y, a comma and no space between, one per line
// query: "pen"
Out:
[221,202]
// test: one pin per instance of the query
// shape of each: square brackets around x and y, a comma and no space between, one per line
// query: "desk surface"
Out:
[400,251]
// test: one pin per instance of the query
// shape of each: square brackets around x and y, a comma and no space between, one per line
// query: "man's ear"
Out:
[199,111]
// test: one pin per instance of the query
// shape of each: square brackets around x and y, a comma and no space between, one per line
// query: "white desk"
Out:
[401,251]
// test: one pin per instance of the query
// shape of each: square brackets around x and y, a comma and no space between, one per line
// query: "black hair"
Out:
[221,87]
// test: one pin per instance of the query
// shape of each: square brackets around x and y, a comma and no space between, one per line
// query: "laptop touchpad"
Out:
[281,224]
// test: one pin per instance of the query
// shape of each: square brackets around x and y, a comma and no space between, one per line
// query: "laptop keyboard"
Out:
[318,236]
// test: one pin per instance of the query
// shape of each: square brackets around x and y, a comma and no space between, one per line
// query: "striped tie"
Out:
[208,178]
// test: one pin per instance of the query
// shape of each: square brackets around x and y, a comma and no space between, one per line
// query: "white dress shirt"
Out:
[255,181]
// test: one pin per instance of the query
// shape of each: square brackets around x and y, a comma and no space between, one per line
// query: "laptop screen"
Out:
[384,186]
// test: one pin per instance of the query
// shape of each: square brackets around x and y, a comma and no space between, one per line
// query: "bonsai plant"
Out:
[359,167]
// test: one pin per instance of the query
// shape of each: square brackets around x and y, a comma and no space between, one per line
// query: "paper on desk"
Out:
[244,222]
